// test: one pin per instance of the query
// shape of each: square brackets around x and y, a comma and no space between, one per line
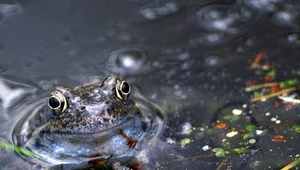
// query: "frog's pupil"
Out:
[53,102]
[125,87]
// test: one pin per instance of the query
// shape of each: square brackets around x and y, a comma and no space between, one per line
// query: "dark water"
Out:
[187,57]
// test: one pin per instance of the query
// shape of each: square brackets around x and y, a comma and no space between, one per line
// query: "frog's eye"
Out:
[123,90]
[57,102]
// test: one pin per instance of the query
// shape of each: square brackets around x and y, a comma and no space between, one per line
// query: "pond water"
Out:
[187,60]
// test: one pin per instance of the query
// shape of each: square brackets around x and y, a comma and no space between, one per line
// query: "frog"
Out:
[95,121]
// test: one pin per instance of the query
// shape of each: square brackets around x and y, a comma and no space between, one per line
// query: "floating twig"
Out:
[259,86]
[291,165]
[288,99]
[255,99]
[222,163]
[257,59]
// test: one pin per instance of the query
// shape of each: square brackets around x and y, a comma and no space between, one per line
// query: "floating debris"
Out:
[171,141]
[237,112]
[231,134]
[185,142]
[258,98]
[291,165]
[205,148]
[241,150]
[279,138]
[221,125]
[18,149]
[252,141]
[289,99]
[187,128]
[259,132]
[219,152]
[296,128]
[250,128]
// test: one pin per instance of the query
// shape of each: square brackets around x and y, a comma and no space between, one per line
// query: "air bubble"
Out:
[129,60]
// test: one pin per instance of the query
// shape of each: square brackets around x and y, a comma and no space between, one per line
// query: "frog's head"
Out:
[91,107]
[76,123]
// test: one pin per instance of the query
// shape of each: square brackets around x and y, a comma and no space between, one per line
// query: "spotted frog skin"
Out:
[93,119]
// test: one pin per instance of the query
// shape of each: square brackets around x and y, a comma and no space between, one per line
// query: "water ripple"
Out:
[128,61]
[220,18]
[264,5]
[153,13]
[12,93]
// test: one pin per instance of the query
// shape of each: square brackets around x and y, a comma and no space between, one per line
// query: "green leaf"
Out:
[257,94]
[250,128]
[283,85]
[292,82]
[271,73]
[241,150]
[231,118]
[289,83]
[216,150]
[18,149]
[247,136]
[296,128]
[219,152]
[210,131]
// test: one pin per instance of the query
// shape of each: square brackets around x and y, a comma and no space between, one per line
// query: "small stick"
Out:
[257,59]
[255,99]
[291,165]
[288,99]
[259,86]
[221,164]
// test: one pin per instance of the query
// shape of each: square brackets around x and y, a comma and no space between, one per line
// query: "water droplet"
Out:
[293,37]
[153,13]
[129,60]
[284,18]
[220,18]
[263,5]
[212,60]
[209,38]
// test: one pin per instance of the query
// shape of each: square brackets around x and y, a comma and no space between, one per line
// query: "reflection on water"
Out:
[188,58]
[11,94]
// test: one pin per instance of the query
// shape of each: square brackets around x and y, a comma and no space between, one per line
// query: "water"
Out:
[186,58]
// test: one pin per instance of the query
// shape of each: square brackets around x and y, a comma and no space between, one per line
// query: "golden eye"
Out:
[57,102]
[123,90]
